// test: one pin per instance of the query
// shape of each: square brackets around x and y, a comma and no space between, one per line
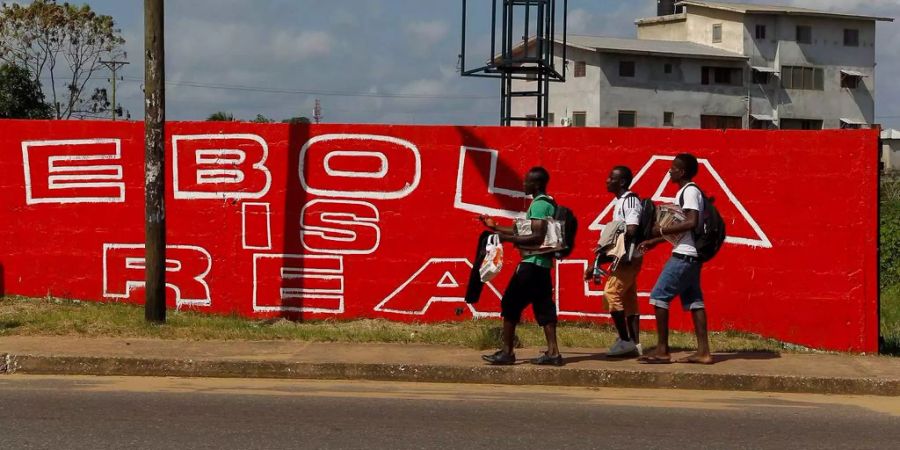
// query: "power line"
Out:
[234,87]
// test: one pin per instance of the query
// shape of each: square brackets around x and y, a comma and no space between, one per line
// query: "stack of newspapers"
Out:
[668,215]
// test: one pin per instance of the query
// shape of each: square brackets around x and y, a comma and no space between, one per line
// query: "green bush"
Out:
[890,320]
[890,188]
[890,233]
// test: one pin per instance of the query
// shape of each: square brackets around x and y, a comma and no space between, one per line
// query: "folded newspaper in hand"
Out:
[668,215]
[554,239]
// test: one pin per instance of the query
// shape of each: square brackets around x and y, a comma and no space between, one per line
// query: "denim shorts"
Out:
[678,278]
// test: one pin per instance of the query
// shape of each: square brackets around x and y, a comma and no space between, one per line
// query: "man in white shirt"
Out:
[681,275]
[620,290]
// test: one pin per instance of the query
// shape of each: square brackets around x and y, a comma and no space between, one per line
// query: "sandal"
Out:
[500,358]
[650,359]
[547,360]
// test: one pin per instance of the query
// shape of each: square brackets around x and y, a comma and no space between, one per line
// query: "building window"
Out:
[800,124]
[711,122]
[760,77]
[579,119]
[580,69]
[668,119]
[626,69]
[851,126]
[760,32]
[804,34]
[850,81]
[796,77]
[627,119]
[722,75]
[717,33]
[667,68]
[851,38]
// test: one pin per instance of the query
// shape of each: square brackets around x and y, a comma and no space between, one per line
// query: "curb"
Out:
[64,365]
[7,364]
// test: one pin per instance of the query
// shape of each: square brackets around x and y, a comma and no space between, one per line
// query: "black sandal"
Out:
[547,360]
[500,358]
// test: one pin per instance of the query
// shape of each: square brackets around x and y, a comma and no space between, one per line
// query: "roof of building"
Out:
[890,133]
[681,49]
[746,8]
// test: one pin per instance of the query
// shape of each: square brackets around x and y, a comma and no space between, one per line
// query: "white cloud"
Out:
[305,45]
[580,22]
[208,43]
[423,35]
[424,87]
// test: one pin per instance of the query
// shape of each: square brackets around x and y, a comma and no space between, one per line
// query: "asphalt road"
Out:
[116,413]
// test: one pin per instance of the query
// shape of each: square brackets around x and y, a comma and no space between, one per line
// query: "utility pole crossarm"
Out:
[113,67]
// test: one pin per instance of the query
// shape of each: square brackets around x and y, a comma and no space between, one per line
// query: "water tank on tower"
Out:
[665,7]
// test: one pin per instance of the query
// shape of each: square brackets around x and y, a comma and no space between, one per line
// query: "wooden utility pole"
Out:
[154,160]
[113,67]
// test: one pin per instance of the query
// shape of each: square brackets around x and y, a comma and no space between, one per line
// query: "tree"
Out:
[220,116]
[297,120]
[20,95]
[262,119]
[65,43]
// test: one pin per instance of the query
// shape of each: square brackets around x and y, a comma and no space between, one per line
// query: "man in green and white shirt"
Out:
[532,283]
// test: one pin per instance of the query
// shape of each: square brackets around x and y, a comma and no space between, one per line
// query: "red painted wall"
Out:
[354,221]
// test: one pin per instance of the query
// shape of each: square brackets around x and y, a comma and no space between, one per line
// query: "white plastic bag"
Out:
[493,259]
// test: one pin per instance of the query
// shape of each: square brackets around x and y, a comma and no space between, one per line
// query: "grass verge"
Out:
[890,320]
[21,316]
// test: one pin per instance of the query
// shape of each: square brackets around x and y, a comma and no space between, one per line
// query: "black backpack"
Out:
[569,222]
[647,219]
[710,233]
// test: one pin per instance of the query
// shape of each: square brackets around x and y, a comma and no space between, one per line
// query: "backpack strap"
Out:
[681,197]
[702,196]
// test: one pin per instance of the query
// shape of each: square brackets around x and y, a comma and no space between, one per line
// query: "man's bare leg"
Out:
[661,353]
[509,336]
[550,334]
[702,356]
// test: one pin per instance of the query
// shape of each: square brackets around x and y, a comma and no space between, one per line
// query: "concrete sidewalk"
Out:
[802,373]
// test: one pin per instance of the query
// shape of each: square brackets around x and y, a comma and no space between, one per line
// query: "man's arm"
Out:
[650,244]
[491,224]
[630,231]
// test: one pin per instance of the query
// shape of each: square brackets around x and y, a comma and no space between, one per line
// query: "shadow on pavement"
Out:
[717,357]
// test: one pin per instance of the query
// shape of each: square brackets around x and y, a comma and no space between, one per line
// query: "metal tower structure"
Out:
[317,112]
[526,35]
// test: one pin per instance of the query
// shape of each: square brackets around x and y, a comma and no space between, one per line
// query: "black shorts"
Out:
[531,284]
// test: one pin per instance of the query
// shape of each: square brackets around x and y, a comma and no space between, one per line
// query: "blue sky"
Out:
[377,48]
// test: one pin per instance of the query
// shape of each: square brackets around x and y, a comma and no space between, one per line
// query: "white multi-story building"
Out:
[890,150]
[707,64]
